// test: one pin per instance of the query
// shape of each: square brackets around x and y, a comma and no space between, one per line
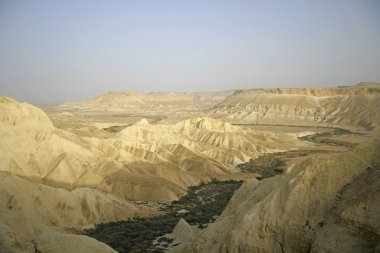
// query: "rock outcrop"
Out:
[353,223]
[63,243]
[184,232]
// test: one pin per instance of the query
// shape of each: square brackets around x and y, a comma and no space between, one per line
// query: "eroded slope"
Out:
[313,205]
[346,106]
[143,161]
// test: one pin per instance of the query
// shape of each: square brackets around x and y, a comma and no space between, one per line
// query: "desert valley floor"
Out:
[256,170]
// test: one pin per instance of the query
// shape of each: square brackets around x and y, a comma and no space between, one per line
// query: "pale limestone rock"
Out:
[199,138]
[28,210]
[184,232]
[144,161]
[285,213]
[349,106]
[63,243]
[354,223]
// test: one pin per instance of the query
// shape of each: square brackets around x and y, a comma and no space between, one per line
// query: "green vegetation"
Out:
[323,138]
[114,129]
[265,165]
[200,206]
[269,165]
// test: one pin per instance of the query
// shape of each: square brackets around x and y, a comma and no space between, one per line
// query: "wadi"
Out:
[247,170]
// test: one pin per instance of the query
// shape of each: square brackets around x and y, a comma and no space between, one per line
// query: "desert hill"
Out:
[346,106]
[131,106]
[152,99]
[27,134]
[33,216]
[206,137]
[53,179]
[32,211]
[168,157]
[64,171]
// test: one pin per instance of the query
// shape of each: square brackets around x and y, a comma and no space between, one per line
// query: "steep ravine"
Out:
[327,203]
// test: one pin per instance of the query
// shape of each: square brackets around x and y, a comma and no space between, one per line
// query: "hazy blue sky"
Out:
[67,50]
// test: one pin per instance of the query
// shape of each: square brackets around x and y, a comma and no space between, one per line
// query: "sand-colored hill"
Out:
[170,158]
[34,215]
[199,137]
[143,161]
[324,204]
[346,106]
[151,100]
[27,136]
[15,115]
[158,162]
[364,88]
[125,108]
[75,173]
[52,178]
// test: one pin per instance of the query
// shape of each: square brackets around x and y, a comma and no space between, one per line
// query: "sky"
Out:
[54,51]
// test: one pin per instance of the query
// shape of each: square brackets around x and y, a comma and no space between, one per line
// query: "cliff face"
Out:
[324,204]
[359,89]
[351,106]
